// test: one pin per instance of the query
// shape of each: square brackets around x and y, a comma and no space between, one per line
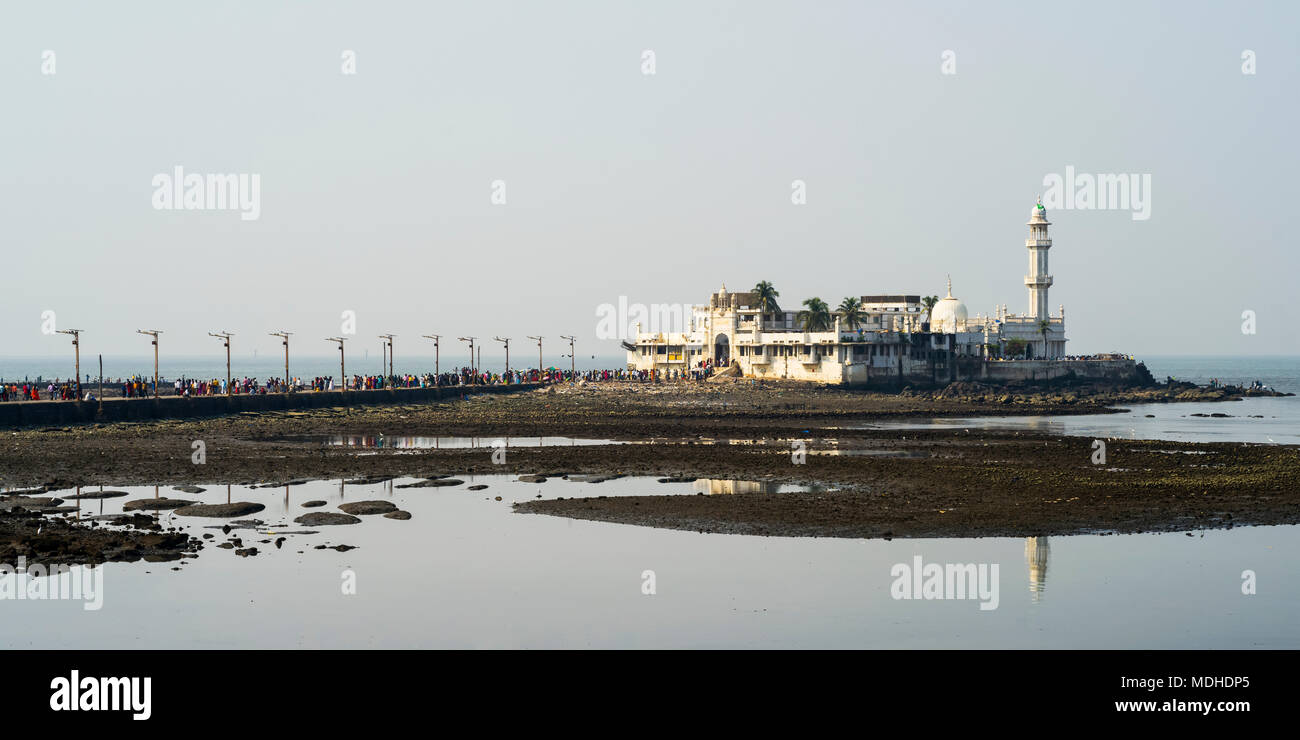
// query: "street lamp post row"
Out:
[387,346]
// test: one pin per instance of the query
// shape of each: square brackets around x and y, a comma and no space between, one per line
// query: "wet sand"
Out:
[897,484]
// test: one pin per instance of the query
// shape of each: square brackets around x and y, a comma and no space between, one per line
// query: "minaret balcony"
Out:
[1040,281]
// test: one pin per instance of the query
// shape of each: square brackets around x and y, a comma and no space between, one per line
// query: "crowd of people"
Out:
[143,387]
[57,391]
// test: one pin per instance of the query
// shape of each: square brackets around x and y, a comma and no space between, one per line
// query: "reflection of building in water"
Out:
[1036,553]
[718,485]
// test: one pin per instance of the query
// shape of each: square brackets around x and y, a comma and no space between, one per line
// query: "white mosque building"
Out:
[894,339]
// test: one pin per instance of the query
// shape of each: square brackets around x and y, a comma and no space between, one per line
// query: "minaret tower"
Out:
[1039,279]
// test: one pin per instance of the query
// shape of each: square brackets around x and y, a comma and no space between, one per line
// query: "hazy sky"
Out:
[375,188]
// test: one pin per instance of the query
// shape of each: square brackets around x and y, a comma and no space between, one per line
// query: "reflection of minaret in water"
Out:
[1037,552]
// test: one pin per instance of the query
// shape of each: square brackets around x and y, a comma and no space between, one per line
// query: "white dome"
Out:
[1038,214]
[948,315]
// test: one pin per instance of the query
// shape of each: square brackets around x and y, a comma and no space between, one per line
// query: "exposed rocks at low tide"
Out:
[57,541]
[433,483]
[363,508]
[326,519]
[911,483]
[157,504]
[223,511]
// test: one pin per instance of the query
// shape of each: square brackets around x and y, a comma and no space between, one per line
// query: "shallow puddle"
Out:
[466,571]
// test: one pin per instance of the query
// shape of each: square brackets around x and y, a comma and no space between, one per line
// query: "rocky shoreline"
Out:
[866,483]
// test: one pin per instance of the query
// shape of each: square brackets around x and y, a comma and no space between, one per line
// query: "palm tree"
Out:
[1043,326]
[767,296]
[851,311]
[929,302]
[817,317]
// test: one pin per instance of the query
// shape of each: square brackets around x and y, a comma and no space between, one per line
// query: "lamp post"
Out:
[389,339]
[152,333]
[284,335]
[225,336]
[505,341]
[539,357]
[437,352]
[76,347]
[471,356]
[573,362]
[343,376]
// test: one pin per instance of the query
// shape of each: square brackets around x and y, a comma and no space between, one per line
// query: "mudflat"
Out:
[861,483]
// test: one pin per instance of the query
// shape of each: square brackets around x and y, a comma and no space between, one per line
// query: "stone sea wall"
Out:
[52,413]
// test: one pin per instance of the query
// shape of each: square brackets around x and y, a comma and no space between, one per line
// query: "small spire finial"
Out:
[950,285]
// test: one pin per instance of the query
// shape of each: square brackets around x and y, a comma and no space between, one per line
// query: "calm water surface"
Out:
[467,572]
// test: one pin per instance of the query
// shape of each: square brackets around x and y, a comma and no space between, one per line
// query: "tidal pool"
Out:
[466,571]
[1251,420]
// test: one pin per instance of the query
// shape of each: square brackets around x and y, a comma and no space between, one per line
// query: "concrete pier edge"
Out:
[16,414]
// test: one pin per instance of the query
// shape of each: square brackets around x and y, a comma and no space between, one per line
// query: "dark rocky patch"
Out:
[99,494]
[362,508]
[326,518]
[433,483]
[156,504]
[238,508]
[64,542]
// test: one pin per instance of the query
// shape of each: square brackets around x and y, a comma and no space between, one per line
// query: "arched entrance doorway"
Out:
[721,350]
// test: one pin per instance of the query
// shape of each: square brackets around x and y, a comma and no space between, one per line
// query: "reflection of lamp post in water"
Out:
[1037,552]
